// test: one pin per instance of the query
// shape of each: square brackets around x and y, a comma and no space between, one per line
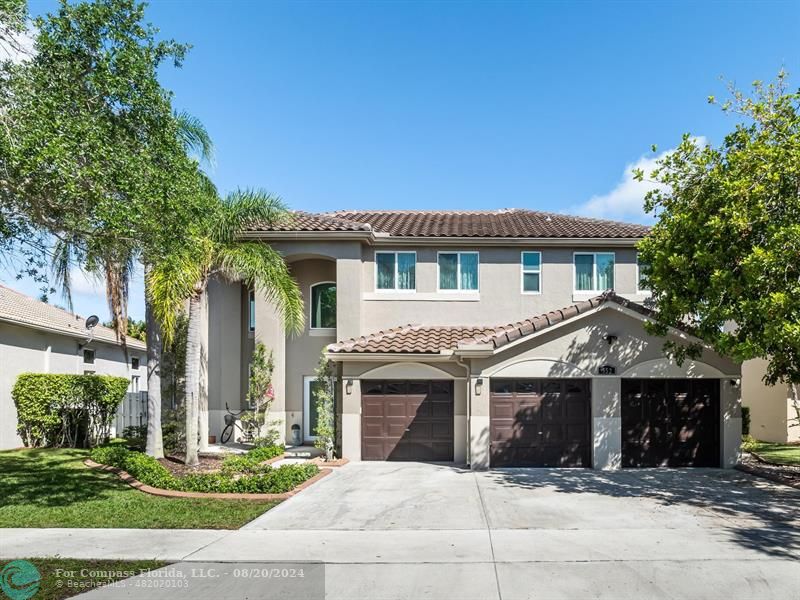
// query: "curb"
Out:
[142,487]
[769,476]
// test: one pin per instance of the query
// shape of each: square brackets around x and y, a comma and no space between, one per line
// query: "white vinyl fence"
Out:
[131,412]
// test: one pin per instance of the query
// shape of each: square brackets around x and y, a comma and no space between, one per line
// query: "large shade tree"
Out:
[216,249]
[724,255]
[95,166]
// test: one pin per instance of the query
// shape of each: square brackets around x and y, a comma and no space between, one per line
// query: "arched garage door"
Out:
[670,423]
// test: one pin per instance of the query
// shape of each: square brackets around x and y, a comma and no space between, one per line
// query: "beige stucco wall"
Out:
[771,410]
[26,350]
[499,298]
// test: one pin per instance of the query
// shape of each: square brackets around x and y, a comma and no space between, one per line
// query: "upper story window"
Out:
[323,306]
[531,272]
[88,357]
[134,363]
[396,271]
[251,303]
[642,269]
[458,271]
[594,271]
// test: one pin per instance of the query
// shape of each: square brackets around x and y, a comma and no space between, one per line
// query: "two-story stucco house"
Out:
[485,338]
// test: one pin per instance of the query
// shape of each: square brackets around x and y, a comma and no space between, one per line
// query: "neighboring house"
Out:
[484,338]
[36,337]
[773,416]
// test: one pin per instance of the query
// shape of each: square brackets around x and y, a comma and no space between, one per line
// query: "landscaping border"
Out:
[142,487]
[766,475]
[321,463]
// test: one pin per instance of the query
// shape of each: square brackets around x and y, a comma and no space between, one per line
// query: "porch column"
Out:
[730,408]
[606,423]
[351,417]
[271,332]
[479,422]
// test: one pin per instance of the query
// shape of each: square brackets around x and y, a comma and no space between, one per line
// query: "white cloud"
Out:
[17,47]
[86,284]
[626,200]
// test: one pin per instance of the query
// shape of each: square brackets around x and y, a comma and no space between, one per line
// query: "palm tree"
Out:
[217,250]
[116,265]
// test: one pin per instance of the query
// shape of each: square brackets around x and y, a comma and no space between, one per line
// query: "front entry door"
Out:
[310,417]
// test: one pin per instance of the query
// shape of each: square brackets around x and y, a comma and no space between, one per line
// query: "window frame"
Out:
[523,272]
[640,290]
[311,306]
[594,255]
[135,360]
[395,289]
[459,289]
[93,354]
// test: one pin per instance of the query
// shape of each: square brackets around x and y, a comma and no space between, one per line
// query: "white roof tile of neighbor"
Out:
[19,309]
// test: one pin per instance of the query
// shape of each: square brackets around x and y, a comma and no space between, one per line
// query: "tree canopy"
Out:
[92,154]
[724,255]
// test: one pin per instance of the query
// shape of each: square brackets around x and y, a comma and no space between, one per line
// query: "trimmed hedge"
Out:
[66,410]
[262,480]
[251,462]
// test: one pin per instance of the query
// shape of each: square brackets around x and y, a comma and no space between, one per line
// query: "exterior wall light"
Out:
[478,386]
[348,387]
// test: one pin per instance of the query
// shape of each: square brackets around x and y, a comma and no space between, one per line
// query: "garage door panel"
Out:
[670,422]
[540,423]
[414,422]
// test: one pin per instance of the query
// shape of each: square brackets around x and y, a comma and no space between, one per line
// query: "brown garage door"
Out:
[407,420]
[670,423]
[540,423]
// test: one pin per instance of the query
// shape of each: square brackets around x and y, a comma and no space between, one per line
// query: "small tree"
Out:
[724,250]
[260,393]
[325,394]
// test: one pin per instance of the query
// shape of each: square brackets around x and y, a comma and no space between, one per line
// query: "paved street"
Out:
[407,530]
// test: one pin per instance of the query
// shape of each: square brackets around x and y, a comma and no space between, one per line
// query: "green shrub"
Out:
[250,462]
[259,479]
[66,410]
[173,430]
[749,443]
[745,420]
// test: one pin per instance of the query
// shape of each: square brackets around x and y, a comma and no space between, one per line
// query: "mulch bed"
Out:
[142,487]
[174,463]
[786,474]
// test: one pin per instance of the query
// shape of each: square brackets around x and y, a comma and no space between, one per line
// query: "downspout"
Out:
[468,369]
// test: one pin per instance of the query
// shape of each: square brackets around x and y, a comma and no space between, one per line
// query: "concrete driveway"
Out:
[388,530]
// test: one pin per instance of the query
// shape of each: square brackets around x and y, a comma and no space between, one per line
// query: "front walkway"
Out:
[406,530]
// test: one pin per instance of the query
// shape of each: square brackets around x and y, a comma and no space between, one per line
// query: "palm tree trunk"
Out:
[202,383]
[193,380]
[155,445]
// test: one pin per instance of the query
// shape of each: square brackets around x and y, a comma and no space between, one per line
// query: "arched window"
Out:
[323,306]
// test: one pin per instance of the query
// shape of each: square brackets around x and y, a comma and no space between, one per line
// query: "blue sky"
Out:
[456,105]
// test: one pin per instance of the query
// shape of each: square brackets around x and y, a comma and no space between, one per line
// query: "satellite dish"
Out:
[92,321]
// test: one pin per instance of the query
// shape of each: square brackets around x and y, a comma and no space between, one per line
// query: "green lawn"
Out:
[63,578]
[53,488]
[782,454]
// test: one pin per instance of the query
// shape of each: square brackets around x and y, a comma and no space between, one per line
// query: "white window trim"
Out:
[457,290]
[575,289]
[522,272]
[638,289]
[318,330]
[395,289]
[307,379]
